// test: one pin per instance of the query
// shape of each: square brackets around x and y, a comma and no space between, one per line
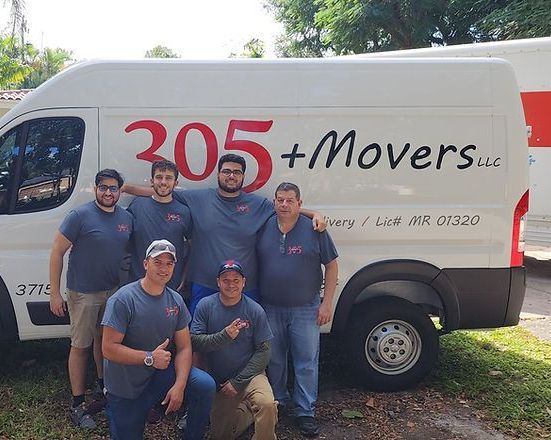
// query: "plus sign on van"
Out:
[418,165]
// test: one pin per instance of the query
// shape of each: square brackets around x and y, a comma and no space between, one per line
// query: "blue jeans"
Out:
[198,292]
[127,416]
[296,332]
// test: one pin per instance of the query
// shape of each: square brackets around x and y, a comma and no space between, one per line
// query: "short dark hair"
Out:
[164,165]
[109,173]
[288,186]
[235,158]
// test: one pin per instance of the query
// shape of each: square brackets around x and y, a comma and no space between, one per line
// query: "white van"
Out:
[420,167]
[531,60]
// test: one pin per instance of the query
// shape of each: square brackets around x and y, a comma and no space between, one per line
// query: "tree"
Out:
[161,52]
[254,48]
[321,27]
[12,70]
[45,65]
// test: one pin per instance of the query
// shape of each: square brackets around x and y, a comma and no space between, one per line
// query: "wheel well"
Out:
[418,282]
[8,322]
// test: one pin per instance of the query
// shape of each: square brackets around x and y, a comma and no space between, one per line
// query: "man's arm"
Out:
[318,220]
[215,341]
[182,364]
[137,190]
[59,249]
[115,351]
[257,365]
[326,308]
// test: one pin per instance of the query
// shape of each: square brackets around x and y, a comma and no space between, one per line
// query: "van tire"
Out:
[392,342]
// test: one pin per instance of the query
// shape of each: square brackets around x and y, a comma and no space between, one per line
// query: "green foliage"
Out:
[253,48]
[506,372]
[326,27]
[45,65]
[12,69]
[161,52]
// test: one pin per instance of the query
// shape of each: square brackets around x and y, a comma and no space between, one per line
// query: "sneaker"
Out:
[308,426]
[81,418]
[182,423]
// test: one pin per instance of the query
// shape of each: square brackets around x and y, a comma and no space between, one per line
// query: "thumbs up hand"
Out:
[161,357]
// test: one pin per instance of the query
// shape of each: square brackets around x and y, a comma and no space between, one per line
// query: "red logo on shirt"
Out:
[294,250]
[172,311]
[245,323]
[173,217]
[123,228]
[242,208]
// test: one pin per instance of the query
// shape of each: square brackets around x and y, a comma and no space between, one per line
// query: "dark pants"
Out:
[127,416]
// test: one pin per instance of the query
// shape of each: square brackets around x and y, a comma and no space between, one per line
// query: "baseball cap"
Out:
[229,265]
[159,247]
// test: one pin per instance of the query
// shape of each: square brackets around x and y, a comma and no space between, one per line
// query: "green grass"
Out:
[34,390]
[518,398]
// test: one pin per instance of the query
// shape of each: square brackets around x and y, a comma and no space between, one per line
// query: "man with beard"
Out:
[97,233]
[159,217]
[225,223]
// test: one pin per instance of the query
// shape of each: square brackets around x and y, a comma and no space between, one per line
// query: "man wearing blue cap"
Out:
[233,331]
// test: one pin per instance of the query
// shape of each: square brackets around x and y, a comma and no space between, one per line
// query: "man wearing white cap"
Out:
[145,322]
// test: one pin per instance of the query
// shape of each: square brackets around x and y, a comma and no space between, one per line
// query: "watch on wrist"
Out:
[148,361]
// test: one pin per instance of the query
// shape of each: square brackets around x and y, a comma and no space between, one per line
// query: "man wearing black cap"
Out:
[233,331]
[142,321]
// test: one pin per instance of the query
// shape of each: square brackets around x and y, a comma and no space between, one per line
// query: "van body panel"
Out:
[531,60]
[403,163]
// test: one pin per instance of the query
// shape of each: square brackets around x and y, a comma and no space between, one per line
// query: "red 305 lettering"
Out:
[259,152]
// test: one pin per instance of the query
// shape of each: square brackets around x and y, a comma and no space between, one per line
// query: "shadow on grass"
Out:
[505,372]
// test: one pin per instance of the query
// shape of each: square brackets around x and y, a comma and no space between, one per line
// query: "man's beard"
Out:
[107,205]
[228,189]
[157,189]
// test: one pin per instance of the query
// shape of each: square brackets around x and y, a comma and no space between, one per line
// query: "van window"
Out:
[39,163]
[8,159]
[50,164]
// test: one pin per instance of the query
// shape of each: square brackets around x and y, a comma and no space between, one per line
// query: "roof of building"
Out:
[14,95]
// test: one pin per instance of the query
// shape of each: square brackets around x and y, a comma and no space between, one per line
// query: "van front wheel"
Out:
[393,343]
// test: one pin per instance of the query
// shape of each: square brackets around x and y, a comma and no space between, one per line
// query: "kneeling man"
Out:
[234,332]
[142,322]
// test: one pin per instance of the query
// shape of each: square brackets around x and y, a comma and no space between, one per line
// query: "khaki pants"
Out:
[86,312]
[231,416]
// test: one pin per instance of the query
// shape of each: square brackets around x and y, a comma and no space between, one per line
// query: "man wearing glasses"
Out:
[145,323]
[97,234]
[290,256]
[225,223]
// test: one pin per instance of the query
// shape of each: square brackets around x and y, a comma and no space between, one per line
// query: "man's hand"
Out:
[228,390]
[161,357]
[324,313]
[174,398]
[57,305]
[233,329]
[318,221]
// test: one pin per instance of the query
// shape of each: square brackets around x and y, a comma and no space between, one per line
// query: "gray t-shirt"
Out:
[100,242]
[156,221]
[212,315]
[224,228]
[290,270]
[146,321]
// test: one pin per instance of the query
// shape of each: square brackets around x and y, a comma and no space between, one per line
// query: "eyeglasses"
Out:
[282,244]
[227,172]
[111,188]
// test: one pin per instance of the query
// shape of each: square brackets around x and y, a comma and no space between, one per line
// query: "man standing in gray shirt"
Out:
[97,234]
[290,257]
[233,332]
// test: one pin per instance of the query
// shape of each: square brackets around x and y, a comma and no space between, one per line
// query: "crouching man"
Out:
[142,321]
[233,331]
